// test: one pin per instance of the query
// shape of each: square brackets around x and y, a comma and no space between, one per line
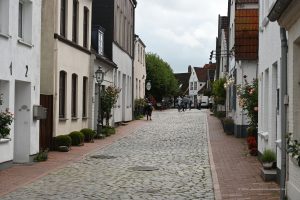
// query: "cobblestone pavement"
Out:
[166,159]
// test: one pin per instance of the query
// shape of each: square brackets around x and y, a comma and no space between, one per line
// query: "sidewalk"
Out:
[20,175]
[238,175]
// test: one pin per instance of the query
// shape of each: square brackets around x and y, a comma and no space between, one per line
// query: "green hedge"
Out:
[89,134]
[77,138]
[107,130]
[61,140]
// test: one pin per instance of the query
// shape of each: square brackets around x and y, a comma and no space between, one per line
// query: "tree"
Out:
[108,100]
[218,91]
[163,81]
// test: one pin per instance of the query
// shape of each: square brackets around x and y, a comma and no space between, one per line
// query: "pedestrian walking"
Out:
[148,109]
[179,102]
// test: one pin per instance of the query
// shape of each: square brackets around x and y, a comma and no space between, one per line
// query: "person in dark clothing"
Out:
[148,110]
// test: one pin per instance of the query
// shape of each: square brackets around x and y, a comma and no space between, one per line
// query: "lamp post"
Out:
[99,74]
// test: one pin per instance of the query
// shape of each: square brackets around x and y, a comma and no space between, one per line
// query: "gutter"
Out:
[278,9]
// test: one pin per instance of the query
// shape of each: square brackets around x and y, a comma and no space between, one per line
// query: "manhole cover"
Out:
[103,157]
[143,168]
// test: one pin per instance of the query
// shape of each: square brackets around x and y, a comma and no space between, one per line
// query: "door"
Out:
[46,125]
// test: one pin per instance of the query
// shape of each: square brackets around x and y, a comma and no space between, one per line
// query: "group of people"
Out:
[183,103]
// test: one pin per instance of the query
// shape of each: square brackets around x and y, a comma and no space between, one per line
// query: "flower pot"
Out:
[267,165]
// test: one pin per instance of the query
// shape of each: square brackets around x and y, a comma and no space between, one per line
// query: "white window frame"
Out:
[27,22]
[100,42]
[4,18]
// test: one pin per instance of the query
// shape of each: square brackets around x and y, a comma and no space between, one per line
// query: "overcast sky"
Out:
[181,32]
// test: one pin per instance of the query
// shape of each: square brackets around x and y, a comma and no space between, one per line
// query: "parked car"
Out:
[204,101]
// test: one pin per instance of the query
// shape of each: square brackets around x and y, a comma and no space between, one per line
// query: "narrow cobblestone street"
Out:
[165,159]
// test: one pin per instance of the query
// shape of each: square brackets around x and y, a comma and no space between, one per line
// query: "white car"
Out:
[204,101]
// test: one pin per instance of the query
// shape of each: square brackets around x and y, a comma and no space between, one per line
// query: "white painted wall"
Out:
[223,58]
[269,82]
[93,87]
[291,21]
[139,70]
[123,110]
[58,56]
[19,55]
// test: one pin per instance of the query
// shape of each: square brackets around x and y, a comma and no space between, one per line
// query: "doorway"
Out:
[22,122]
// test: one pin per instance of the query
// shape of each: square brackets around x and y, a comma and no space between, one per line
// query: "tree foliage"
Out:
[219,91]
[109,98]
[163,81]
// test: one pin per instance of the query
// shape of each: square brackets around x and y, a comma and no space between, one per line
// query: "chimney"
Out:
[190,69]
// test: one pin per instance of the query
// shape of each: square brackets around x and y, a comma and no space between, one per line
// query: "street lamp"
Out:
[99,74]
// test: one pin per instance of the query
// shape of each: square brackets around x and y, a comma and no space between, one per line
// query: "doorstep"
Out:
[268,174]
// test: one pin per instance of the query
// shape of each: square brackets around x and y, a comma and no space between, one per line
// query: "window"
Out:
[4,16]
[195,85]
[100,42]
[84,97]
[74,96]
[85,27]
[20,23]
[62,94]
[75,15]
[63,18]
[191,85]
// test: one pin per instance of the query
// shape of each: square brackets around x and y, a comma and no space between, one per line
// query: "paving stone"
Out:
[173,143]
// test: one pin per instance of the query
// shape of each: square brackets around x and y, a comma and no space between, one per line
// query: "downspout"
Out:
[133,56]
[228,34]
[283,109]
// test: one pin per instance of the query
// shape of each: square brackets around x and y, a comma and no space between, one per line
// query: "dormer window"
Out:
[100,42]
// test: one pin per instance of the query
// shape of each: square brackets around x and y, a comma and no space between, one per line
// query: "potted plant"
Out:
[268,158]
[228,125]
[252,145]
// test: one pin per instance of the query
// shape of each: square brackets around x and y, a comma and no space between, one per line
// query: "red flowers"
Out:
[252,145]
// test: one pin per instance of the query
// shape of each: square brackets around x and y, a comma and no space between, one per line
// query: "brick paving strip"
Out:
[238,175]
[20,175]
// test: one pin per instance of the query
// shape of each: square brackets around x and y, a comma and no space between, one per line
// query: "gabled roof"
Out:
[201,74]
[183,78]
[204,73]
[224,25]
[246,34]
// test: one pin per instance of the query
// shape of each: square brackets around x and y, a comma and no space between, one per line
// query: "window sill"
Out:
[20,41]
[63,119]
[74,118]
[84,118]
[4,140]
[5,35]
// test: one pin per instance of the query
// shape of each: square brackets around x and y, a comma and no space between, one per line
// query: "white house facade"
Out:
[243,61]
[139,68]
[288,16]
[66,36]
[20,39]
[269,121]
[196,84]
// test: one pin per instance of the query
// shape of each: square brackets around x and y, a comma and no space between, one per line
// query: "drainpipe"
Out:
[228,34]
[283,109]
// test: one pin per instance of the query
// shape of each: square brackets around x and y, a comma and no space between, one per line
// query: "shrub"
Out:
[268,156]
[62,140]
[228,121]
[220,114]
[252,131]
[107,130]
[77,138]
[89,134]
[41,156]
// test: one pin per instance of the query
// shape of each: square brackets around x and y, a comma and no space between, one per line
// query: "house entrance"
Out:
[22,122]
[46,125]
